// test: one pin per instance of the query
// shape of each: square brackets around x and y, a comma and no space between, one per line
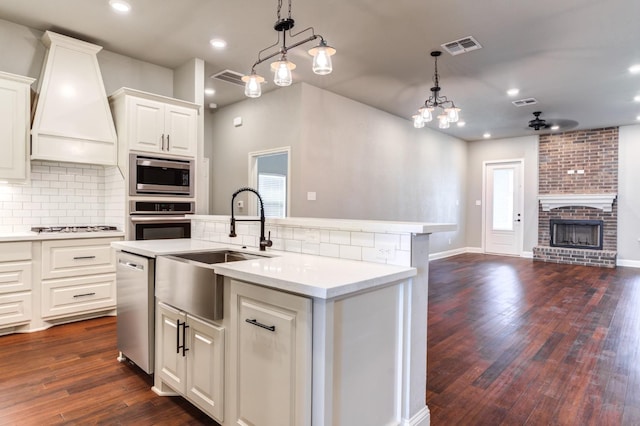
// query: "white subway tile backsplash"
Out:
[64,193]
[362,239]
[351,252]
[340,237]
[329,250]
[387,240]
[354,245]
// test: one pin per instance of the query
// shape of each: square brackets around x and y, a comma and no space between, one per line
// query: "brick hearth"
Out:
[595,152]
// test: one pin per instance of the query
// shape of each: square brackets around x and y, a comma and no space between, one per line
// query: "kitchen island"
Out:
[304,339]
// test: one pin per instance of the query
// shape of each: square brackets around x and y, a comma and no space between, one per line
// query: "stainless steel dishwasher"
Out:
[135,302]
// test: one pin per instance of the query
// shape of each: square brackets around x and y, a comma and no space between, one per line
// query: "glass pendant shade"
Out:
[452,113]
[426,113]
[252,86]
[282,71]
[322,58]
[443,121]
[418,121]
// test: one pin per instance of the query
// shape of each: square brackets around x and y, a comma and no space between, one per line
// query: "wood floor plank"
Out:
[514,342]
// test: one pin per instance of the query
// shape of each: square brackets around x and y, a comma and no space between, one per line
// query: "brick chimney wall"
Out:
[594,151]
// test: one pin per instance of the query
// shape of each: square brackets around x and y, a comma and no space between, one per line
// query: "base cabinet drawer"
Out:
[15,309]
[15,277]
[70,258]
[78,295]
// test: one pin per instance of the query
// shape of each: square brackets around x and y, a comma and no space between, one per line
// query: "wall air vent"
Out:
[525,102]
[463,45]
[229,76]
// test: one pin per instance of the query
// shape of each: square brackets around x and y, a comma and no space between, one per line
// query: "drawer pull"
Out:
[83,257]
[84,295]
[256,323]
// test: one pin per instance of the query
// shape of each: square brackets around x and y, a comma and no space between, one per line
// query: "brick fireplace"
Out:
[578,181]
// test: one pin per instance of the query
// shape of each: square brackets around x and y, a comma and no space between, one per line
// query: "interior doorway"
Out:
[269,173]
[503,206]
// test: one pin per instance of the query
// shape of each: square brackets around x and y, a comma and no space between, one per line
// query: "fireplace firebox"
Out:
[585,234]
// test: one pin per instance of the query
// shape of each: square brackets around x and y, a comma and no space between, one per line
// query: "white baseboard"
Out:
[527,254]
[447,253]
[421,418]
[474,250]
[628,263]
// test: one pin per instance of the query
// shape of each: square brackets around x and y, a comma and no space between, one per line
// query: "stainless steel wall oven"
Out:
[157,220]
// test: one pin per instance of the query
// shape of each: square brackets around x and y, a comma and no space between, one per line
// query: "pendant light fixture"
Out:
[449,112]
[282,68]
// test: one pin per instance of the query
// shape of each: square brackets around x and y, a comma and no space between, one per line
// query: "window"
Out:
[273,190]
[503,199]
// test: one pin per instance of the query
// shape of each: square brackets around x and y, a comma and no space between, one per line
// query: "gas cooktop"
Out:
[59,229]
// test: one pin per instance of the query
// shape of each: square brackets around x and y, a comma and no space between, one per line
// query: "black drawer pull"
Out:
[83,257]
[84,295]
[267,327]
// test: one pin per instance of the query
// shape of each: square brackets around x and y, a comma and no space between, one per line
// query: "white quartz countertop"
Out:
[313,276]
[34,236]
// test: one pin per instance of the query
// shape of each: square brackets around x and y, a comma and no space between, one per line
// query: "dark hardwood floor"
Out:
[69,375]
[510,342]
[513,342]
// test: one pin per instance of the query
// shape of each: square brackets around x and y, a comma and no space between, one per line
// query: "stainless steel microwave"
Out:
[158,176]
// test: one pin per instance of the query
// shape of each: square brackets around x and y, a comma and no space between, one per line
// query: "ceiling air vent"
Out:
[525,102]
[229,76]
[464,45]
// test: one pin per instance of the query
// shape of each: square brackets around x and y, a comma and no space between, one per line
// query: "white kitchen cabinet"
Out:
[15,96]
[78,277]
[271,334]
[190,358]
[15,283]
[155,124]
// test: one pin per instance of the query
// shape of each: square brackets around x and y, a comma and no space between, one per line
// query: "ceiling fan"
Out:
[538,123]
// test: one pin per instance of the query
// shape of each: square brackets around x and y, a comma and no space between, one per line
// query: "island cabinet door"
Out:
[172,363]
[271,356]
[205,366]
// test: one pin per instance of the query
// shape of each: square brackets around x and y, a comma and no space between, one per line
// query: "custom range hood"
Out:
[72,121]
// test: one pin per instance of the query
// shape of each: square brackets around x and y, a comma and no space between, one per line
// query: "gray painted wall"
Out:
[22,53]
[525,148]
[362,162]
[629,194]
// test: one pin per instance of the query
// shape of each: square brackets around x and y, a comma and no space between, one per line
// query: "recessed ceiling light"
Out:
[637,98]
[513,92]
[638,118]
[555,127]
[486,135]
[461,123]
[218,43]
[209,91]
[120,6]
[634,69]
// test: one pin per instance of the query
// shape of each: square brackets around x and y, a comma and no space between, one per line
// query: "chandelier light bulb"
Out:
[418,121]
[322,58]
[282,72]
[426,113]
[443,121]
[252,87]
[452,113]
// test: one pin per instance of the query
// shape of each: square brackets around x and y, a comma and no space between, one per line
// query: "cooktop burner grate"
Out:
[71,229]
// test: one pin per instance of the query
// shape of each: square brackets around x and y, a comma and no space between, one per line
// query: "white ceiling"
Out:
[571,55]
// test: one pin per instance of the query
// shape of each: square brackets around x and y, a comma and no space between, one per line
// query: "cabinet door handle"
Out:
[162,148]
[182,346]
[168,143]
[258,324]
[84,295]
[83,257]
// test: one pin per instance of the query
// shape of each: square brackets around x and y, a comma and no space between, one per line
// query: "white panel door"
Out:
[503,208]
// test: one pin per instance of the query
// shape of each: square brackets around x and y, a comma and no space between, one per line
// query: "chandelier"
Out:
[282,67]
[449,113]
